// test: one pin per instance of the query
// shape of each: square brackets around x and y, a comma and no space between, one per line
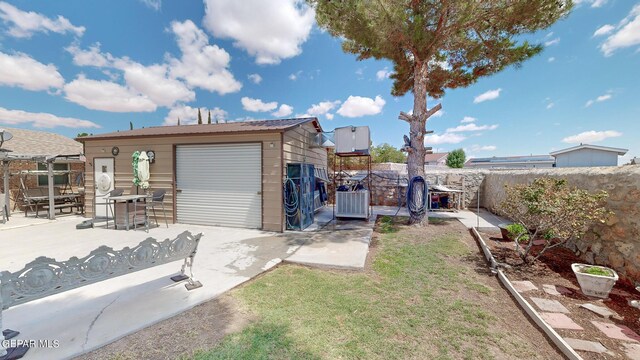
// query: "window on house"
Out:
[43,180]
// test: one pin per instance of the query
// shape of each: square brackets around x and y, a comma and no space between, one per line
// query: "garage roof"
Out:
[619,151]
[207,129]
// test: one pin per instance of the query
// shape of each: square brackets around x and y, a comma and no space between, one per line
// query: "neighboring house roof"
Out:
[435,157]
[208,129]
[507,160]
[619,151]
[40,143]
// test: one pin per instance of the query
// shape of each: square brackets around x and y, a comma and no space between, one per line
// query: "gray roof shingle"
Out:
[40,143]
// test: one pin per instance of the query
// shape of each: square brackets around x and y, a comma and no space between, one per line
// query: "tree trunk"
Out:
[417,127]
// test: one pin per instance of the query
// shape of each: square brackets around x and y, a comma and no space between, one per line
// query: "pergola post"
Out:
[7,198]
[52,209]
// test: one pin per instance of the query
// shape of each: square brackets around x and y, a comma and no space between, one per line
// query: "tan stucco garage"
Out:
[228,174]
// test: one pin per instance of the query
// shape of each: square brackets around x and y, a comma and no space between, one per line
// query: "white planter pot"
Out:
[594,285]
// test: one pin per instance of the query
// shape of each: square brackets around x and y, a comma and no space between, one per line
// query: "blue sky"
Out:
[74,66]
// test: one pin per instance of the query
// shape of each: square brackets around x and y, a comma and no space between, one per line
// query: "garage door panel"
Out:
[219,184]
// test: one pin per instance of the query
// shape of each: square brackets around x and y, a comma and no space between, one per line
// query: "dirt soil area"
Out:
[554,268]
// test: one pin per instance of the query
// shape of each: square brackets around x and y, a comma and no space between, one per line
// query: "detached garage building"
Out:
[228,174]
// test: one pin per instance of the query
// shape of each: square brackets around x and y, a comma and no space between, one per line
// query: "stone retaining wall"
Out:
[385,186]
[616,243]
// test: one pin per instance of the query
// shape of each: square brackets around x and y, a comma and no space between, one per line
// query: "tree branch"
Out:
[433,110]
[406,117]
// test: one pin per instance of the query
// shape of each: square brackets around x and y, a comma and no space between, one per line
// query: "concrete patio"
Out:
[89,317]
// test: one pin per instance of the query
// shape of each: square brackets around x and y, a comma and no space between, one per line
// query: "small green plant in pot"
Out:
[551,210]
[595,280]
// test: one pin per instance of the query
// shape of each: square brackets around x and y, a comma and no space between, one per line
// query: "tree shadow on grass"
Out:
[262,340]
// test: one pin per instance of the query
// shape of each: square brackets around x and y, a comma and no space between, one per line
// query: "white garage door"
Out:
[219,185]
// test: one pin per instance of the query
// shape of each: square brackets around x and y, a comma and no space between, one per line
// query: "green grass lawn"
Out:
[416,301]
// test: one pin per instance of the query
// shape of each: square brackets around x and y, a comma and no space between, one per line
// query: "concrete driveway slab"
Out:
[89,317]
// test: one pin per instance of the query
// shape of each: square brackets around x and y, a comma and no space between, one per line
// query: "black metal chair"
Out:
[157,199]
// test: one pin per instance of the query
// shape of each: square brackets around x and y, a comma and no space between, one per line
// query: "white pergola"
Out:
[7,157]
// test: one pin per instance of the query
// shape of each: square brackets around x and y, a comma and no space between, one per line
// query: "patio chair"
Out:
[157,199]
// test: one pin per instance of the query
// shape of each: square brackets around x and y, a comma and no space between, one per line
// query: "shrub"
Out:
[456,159]
[550,209]
[518,232]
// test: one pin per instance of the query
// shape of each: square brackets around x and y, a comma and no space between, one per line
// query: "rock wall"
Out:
[616,243]
[390,181]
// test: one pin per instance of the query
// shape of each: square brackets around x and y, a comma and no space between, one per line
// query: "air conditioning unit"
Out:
[352,204]
[352,140]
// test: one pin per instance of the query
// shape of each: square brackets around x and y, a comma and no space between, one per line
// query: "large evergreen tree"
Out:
[209,118]
[437,45]
[199,117]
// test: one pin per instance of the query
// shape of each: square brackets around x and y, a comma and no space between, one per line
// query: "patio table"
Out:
[44,199]
[126,199]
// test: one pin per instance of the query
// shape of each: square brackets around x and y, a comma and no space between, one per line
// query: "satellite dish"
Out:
[5,136]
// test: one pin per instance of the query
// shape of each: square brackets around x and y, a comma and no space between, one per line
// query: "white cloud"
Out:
[598,3]
[604,30]
[268,30]
[591,136]
[329,116]
[471,127]
[552,42]
[201,65]
[106,96]
[153,81]
[322,107]
[360,71]
[22,71]
[257,105]
[594,3]
[600,98]
[489,95]
[294,76]
[551,59]
[23,24]
[91,57]
[153,4]
[383,74]
[357,106]
[478,148]
[468,119]
[255,78]
[189,115]
[446,138]
[42,120]
[627,33]
[284,110]
[550,105]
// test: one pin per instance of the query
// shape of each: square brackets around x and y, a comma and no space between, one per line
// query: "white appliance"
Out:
[352,140]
